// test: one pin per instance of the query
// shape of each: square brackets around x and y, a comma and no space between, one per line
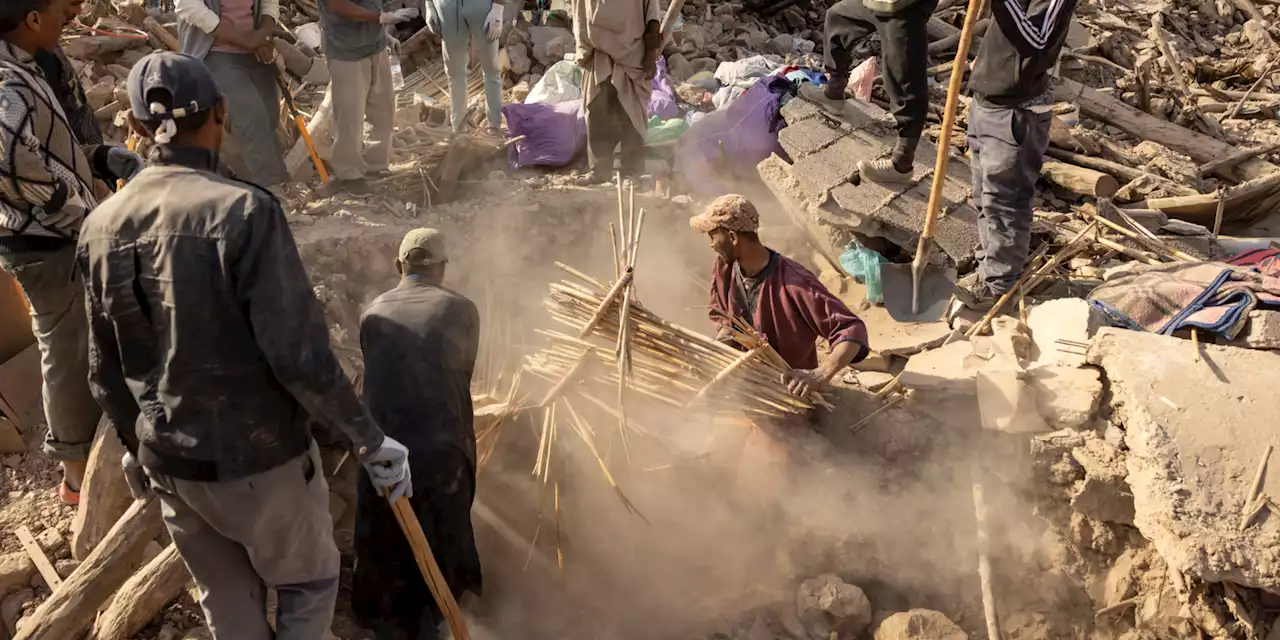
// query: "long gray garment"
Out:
[268,530]
[1007,146]
[54,291]
[253,102]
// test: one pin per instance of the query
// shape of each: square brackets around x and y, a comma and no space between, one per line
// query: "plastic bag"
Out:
[664,132]
[864,265]
[662,102]
[561,83]
[554,134]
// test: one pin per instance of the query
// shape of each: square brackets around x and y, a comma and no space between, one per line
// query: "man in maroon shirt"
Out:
[780,298]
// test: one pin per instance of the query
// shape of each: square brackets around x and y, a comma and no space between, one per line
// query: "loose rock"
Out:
[827,603]
[919,624]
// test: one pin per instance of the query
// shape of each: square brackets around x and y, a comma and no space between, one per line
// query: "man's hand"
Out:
[584,58]
[388,469]
[493,22]
[266,54]
[432,17]
[135,477]
[398,16]
[650,63]
[802,382]
[256,39]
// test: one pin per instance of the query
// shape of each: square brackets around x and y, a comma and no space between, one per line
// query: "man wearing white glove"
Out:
[209,354]
[354,39]
[419,341]
[461,23]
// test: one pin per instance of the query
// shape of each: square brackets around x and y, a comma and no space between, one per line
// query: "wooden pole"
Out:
[142,597]
[1086,182]
[104,496]
[430,569]
[71,608]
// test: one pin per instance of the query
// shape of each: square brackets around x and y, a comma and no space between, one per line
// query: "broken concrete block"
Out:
[895,339]
[827,604]
[874,380]
[1195,431]
[806,137]
[1068,397]
[15,569]
[1262,331]
[796,110]
[1104,492]
[827,168]
[1007,403]
[951,367]
[1058,326]
[919,624]
[1120,583]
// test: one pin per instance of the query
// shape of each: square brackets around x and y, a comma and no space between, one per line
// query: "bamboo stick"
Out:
[607,303]
[725,373]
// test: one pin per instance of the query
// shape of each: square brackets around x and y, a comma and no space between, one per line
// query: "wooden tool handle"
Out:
[948,123]
[430,569]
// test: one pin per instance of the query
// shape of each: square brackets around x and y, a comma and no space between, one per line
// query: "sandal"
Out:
[69,496]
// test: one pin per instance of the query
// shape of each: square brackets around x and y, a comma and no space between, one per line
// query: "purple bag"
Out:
[662,102]
[554,133]
[731,141]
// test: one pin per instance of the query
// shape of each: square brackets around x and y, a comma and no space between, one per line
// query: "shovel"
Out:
[302,125]
[931,287]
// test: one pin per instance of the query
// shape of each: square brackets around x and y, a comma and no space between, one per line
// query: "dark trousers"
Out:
[388,592]
[1007,150]
[904,43]
[608,126]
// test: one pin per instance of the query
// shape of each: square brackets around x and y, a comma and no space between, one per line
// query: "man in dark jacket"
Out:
[210,355]
[1008,135]
[904,40]
[420,342]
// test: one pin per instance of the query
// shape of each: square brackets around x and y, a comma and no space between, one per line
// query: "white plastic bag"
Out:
[561,83]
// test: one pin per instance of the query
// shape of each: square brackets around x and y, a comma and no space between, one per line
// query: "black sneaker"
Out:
[976,295]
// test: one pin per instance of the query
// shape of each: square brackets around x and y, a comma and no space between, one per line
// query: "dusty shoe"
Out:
[835,88]
[882,171]
[975,294]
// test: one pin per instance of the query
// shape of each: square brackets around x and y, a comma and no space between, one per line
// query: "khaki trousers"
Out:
[361,92]
[241,537]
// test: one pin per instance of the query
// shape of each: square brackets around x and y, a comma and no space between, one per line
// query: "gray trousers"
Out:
[253,103]
[362,91]
[55,293]
[1007,150]
[269,530]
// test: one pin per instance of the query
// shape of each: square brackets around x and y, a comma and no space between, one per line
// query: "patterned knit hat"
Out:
[730,212]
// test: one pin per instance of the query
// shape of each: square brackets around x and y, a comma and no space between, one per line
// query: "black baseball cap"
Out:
[189,84]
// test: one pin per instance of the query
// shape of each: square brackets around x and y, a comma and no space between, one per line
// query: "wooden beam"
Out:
[161,33]
[142,597]
[104,495]
[1197,146]
[71,608]
[1081,180]
[41,561]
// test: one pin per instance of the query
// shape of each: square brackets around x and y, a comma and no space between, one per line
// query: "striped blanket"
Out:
[1211,296]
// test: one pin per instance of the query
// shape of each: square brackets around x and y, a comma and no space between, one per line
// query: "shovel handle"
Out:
[948,123]
[430,569]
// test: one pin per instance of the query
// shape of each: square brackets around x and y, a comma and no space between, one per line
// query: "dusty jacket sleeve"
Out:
[200,15]
[828,316]
[106,372]
[718,298]
[26,180]
[290,327]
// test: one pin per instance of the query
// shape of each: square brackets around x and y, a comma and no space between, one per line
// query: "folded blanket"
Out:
[1211,296]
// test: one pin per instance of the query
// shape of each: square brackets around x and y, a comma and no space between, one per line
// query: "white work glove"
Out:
[493,22]
[388,468]
[432,17]
[123,163]
[135,477]
[398,16]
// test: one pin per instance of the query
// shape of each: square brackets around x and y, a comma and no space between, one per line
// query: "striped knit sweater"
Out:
[46,180]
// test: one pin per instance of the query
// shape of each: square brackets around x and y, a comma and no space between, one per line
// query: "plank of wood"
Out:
[41,561]
[70,609]
[1232,160]
[142,597]
[1081,180]
[161,33]
[1197,146]
[104,496]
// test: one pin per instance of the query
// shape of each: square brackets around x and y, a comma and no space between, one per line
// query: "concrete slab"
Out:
[1195,432]
[806,137]
[1067,396]
[796,110]
[1056,326]
[829,167]
[1262,332]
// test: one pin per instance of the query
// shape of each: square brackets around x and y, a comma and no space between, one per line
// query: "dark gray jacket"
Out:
[205,335]
[420,343]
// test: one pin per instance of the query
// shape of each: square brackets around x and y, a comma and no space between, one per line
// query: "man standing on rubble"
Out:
[210,355]
[904,39]
[356,44]
[778,297]
[233,38]
[1008,134]
[460,25]
[46,190]
[420,342]
[618,46]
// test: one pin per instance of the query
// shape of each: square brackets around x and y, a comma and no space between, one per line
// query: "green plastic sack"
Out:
[664,132]
[864,265]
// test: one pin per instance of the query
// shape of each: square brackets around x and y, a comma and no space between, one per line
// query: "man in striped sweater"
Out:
[46,189]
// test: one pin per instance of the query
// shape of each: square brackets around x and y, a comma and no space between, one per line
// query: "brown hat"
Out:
[423,248]
[731,212]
